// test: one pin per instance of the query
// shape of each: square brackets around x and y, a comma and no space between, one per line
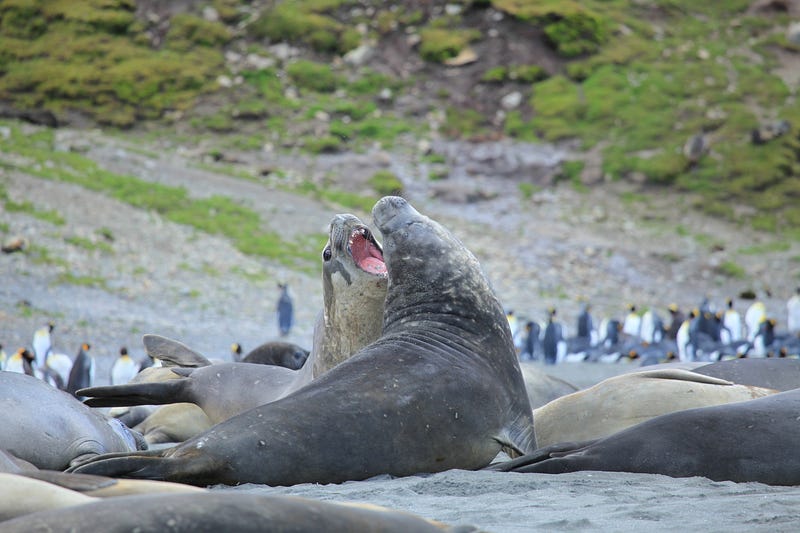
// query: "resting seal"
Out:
[354,288]
[623,401]
[747,441]
[218,511]
[50,428]
[440,389]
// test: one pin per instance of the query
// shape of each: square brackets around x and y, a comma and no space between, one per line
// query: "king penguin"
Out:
[82,374]
[42,343]
[124,368]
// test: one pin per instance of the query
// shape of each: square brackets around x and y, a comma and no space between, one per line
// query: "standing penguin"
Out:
[553,335]
[793,313]
[124,368]
[731,324]
[82,374]
[753,317]
[3,358]
[236,352]
[42,344]
[632,324]
[21,362]
[285,310]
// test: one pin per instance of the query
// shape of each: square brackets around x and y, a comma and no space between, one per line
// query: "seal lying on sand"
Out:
[278,353]
[779,374]
[754,440]
[218,511]
[50,428]
[623,401]
[440,389]
[354,288]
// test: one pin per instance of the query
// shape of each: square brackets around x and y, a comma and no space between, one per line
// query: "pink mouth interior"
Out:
[366,255]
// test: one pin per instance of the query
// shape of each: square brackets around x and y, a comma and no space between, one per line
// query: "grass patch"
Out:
[759,249]
[386,183]
[216,215]
[89,244]
[82,280]
[48,215]
[731,270]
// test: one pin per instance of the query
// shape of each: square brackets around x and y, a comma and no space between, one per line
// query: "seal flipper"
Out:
[157,393]
[524,463]
[172,352]
[518,439]
[192,468]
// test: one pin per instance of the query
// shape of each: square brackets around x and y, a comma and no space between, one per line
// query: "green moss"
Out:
[187,30]
[439,44]
[761,249]
[527,189]
[314,76]
[462,122]
[325,144]
[386,183]
[519,73]
[336,196]
[304,21]
[83,280]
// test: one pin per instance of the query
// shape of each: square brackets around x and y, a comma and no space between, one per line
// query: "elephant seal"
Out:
[774,373]
[747,441]
[278,353]
[354,288]
[623,401]
[440,389]
[222,511]
[543,388]
[175,422]
[49,428]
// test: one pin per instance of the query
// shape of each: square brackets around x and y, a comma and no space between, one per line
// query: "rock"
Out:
[385,95]
[259,62]
[694,148]
[703,54]
[210,14]
[224,81]
[511,100]
[465,57]
[5,132]
[769,131]
[358,56]
[460,193]
[793,33]
[453,9]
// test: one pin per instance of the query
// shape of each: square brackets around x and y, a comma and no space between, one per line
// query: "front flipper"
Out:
[172,352]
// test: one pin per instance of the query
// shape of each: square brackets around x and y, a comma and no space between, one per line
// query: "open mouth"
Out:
[366,252]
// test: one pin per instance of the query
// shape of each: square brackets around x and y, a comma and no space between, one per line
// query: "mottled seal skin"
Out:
[440,389]
[354,288]
[623,401]
[747,441]
[50,428]
[219,511]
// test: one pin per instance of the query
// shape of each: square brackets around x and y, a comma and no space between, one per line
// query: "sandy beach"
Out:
[583,501]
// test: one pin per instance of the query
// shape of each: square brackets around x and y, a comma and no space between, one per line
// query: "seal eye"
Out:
[326,254]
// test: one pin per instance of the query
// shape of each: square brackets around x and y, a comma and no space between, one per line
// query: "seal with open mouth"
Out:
[440,389]
[354,281]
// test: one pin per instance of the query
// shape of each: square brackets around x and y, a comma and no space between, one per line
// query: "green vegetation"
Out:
[440,44]
[386,183]
[89,244]
[306,22]
[93,56]
[48,215]
[82,280]
[732,270]
[216,215]
[314,76]
[518,73]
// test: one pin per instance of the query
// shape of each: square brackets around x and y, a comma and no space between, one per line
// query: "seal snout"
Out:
[386,212]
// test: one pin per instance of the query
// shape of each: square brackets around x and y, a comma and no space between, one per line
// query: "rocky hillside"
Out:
[188,155]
